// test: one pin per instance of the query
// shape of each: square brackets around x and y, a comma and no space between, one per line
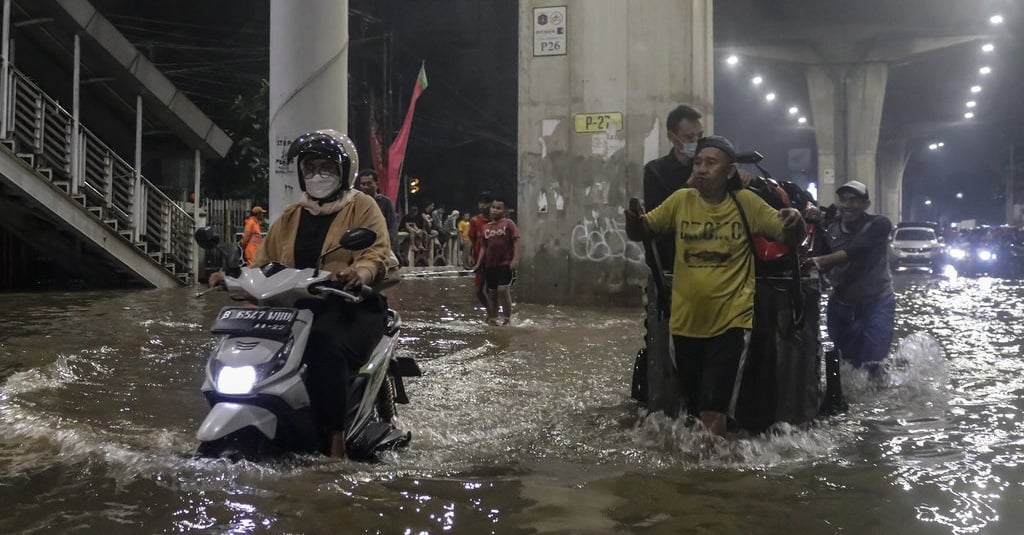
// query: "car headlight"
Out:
[957,254]
[986,256]
[236,380]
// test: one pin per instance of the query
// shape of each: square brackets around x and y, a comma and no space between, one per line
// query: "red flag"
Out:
[396,153]
[376,144]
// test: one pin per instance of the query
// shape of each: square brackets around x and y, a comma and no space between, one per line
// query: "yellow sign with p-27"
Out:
[597,122]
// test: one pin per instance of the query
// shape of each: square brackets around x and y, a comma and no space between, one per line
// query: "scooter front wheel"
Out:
[247,444]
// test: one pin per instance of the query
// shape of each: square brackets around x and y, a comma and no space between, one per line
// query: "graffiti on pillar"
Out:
[602,239]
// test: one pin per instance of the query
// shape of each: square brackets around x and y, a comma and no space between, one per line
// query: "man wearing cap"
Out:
[713,288]
[862,307]
[252,238]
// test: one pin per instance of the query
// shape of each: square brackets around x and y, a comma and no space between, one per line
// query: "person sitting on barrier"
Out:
[713,287]
[862,308]
[343,334]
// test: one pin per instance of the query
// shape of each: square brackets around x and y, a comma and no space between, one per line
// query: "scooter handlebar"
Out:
[333,288]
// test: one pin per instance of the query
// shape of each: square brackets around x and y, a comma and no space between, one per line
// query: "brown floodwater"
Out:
[521,429]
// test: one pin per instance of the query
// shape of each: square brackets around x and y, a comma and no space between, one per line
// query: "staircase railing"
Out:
[40,132]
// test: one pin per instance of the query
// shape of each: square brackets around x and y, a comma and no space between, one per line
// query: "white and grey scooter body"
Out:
[272,362]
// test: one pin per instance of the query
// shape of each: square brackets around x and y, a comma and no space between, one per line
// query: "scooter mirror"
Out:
[359,238]
[206,237]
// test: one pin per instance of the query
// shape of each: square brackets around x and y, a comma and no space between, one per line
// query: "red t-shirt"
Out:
[476,226]
[499,238]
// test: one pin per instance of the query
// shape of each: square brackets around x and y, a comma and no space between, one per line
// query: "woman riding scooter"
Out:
[343,334]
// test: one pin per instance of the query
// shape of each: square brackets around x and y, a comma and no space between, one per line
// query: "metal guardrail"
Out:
[106,186]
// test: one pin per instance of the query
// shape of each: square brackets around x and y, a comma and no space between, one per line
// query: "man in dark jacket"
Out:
[665,175]
[862,308]
[368,184]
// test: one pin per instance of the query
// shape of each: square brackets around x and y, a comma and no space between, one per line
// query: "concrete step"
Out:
[170,267]
[64,186]
[141,245]
[46,172]
[28,157]
[112,223]
[96,211]
[158,256]
[185,278]
[79,198]
[9,143]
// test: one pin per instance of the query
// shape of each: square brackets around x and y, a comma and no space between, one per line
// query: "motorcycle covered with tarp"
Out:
[784,378]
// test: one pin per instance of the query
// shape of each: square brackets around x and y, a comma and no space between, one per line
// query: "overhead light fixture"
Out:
[793,110]
[757,80]
[770,97]
[975,89]
[988,47]
[985,70]
[996,19]
[732,60]
[802,120]
[941,144]
[971,103]
[969,115]
[959,195]
[933,146]
[927,202]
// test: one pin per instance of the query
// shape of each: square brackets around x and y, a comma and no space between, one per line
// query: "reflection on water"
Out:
[519,429]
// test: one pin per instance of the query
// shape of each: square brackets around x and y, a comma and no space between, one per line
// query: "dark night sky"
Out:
[464,133]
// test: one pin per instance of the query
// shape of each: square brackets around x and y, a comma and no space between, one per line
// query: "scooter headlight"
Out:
[236,380]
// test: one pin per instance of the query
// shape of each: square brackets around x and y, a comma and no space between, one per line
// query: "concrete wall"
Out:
[640,59]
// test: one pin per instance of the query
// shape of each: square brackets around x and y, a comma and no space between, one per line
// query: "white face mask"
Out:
[689,149]
[322,185]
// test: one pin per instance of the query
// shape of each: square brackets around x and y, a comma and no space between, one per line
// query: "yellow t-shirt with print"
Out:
[713,281]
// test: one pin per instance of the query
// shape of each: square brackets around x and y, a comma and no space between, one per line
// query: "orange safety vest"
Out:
[252,238]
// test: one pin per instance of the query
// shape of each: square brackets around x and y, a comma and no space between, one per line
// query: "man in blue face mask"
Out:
[670,172]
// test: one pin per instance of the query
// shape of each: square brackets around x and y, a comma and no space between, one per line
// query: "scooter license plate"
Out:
[254,321]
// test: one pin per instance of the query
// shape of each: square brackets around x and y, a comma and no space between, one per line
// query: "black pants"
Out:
[342,337]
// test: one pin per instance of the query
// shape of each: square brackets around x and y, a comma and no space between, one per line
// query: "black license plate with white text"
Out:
[254,321]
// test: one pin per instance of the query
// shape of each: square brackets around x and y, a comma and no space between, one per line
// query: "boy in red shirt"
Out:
[476,227]
[499,256]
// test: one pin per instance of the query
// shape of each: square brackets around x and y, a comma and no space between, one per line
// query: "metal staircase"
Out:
[39,132]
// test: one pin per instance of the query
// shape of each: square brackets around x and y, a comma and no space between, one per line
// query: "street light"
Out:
[757,80]
[996,19]
[975,89]
[732,60]
[927,202]
[971,103]
[988,47]
[985,70]
[770,97]
[969,115]
[794,110]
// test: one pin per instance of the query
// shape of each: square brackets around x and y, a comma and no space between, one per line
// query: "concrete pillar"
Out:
[892,161]
[632,61]
[846,102]
[308,82]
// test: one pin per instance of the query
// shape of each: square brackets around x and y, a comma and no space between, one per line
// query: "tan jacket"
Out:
[279,243]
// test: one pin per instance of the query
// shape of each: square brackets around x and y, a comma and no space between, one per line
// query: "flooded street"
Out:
[520,429]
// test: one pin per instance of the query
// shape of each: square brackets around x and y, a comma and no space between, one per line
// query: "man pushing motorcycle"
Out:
[343,333]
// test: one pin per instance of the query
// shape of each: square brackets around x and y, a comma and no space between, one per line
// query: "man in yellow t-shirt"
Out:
[713,286]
